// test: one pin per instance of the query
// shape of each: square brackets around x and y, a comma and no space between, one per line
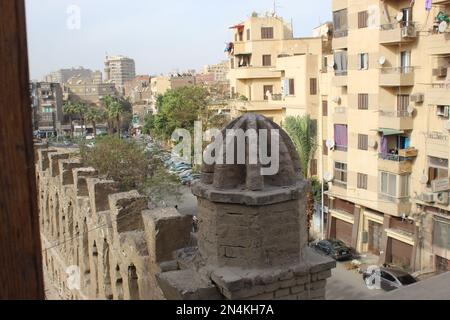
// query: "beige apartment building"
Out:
[119,70]
[273,73]
[387,150]
[277,75]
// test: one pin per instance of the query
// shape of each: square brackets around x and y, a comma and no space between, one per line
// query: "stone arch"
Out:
[107,271]
[133,284]
[118,283]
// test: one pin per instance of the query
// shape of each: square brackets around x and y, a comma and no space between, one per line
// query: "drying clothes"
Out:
[428,5]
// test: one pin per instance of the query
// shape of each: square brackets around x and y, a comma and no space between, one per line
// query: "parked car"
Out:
[335,249]
[389,278]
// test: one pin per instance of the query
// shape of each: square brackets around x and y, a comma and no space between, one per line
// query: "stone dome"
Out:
[247,176]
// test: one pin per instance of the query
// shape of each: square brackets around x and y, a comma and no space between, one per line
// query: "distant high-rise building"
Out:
[46,102]
[61,76]
[119,70]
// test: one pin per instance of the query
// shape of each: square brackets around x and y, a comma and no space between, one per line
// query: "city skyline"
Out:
[107,31]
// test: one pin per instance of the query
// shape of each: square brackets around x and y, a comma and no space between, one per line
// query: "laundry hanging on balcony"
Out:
[428,5]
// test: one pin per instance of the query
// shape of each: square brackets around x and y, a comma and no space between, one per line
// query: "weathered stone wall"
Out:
[116,241]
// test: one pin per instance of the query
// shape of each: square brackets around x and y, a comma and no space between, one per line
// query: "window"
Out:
[340,22]
[363,101]
[441,237]
[313,86]
[325,148]
[248,34]
[362,181]
[267,60]
[267,89]
[340,63]
[241,36]
[363,142]
[363,61]
[402,103]
[437,169]
[340,174]
[266,33]
[389,183]
[290,83]
[325,64]
[324,108]
[341,137]
[363,17]
[313,167]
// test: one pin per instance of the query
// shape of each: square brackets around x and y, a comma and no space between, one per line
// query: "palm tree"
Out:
[303,132]
[94,116]
[71,110]
[114,109]
[81,109]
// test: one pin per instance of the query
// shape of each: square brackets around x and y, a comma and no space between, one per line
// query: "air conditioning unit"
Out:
[447,125]
[417,97]
[443,111]
[440,72]
[427,197]
[409,32]
[441,198]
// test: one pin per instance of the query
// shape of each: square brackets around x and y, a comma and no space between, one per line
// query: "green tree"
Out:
[130,166]
[70,109]
[178,109]
[114,109]
[95,115]
[303,132]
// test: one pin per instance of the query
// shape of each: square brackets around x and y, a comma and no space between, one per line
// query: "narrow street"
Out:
[348,285]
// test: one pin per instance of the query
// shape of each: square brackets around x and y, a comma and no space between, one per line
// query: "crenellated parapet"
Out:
[100,242]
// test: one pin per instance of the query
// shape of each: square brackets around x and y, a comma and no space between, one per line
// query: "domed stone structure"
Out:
[247,219]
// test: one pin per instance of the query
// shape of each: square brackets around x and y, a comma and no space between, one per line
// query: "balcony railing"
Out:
[341,148]
[396,25]
[392,157]
[340,34]
[397,70]
[340,73]
[395,114]
[393,199]
[277,97]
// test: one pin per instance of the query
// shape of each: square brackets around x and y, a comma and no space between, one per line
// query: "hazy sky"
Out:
[161,35]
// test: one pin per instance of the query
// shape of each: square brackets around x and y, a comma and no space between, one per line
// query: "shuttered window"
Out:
[324,108]
[267,60]
[363,101]
[362,181]
[340,174]
[325,148]
[402,102]
[363,17]
[266,33]
[248,34]
[363,61]
[291,87]
[313,86]
[363,142]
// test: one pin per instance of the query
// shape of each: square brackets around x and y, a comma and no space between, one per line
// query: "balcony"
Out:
[441,2]
[255,106]
[394,163]
[398,33]
[438,94]
[398,120]
[340,79]
[393,206]
[340,39]
[438,43]
[340,115]
[397,77]
[255,73]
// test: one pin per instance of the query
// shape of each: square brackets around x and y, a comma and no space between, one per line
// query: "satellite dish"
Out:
[411,110]
[373,143]
[331,63]
[443,26]
[399,17]
[328,177]
[330,144]
[337,100]
[424,179]
[382,60]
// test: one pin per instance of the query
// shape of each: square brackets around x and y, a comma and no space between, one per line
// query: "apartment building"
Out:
[387,134]
[88,90]
[119,70]
[46,102]
[138,90]
[219,70]
[61,76]
[273,73]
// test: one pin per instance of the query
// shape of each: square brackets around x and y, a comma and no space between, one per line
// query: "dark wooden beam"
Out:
[20,245]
